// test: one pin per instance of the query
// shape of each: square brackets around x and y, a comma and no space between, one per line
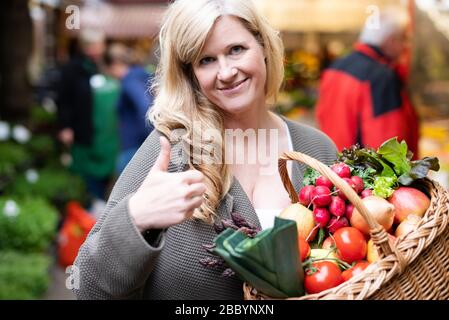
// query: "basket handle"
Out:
[378,233]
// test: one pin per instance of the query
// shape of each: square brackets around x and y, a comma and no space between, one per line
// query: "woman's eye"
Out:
[236,49]
[206,61]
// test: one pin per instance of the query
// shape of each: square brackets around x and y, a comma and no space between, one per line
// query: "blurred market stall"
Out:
[315,33]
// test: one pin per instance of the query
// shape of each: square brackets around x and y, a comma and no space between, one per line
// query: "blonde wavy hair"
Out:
[179,102]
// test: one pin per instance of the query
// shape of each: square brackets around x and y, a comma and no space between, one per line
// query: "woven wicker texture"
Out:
[415,266]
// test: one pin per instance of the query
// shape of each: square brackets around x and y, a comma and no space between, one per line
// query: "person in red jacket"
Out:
[362,97]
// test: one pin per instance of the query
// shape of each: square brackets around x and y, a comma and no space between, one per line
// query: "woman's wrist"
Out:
[134,218]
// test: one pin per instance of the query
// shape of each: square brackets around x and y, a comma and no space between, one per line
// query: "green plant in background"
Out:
[13,157]
[39,116]
[42,144]
[32,183]
[23,276]
[56,184]
[27,224]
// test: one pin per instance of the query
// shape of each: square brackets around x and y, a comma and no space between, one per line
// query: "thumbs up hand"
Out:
[165,199]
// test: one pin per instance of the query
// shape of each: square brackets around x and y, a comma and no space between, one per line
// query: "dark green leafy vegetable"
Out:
[358,157]
[310,177]
[419,170]
[269,261]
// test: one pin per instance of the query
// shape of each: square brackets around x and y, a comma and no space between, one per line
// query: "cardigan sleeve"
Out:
[115,260]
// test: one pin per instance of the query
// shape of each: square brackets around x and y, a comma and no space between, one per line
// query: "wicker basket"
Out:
[415,266]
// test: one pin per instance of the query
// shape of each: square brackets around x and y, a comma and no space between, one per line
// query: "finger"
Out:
[195,190]
[194,203]
[163,159]
[192,176]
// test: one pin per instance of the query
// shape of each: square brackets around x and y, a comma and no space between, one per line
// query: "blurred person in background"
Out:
[133,102]
[362,97]
[86,112]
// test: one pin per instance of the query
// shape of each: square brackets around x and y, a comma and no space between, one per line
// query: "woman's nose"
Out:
[226,72]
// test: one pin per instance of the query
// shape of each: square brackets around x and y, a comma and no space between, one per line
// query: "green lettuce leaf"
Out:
[395,153]
[384,186]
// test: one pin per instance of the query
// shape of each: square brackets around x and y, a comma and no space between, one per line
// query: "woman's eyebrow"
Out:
[227,47]
[233,44]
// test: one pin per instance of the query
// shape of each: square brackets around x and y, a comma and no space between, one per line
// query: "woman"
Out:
[221,65]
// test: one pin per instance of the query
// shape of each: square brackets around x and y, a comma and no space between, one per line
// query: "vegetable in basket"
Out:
[387,168]
[382,178]
[270,261]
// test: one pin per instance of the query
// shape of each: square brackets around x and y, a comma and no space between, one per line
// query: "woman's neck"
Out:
[253,119]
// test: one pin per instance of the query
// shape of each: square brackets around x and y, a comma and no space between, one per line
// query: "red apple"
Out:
[407,201]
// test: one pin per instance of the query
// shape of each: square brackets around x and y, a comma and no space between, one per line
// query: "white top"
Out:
[266,216]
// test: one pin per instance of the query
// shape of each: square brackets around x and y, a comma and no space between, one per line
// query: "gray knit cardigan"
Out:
[117,262]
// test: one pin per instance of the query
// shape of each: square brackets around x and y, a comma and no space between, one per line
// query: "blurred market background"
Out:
[45,208]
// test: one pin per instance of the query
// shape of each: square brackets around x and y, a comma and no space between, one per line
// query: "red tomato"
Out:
[304,248]
[355,270]
[351,244]
[325,276]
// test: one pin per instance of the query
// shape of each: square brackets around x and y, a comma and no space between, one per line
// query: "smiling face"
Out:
[231,69]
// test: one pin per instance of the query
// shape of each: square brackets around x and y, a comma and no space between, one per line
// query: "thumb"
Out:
[163,159]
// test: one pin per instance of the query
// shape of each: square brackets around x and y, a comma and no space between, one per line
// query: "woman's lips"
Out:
[234,88]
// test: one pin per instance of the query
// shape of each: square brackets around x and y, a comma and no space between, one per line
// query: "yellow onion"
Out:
[303,218]
[381,210]
[324,254]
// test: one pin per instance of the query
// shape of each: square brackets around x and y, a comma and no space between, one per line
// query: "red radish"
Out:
[350,182]
[305,195]
[366,193]
[321,196]
[342,170]
[325,182]
[337,206]
[359,185]
[340,193]
[349,209]
[336,223]
[321,216]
